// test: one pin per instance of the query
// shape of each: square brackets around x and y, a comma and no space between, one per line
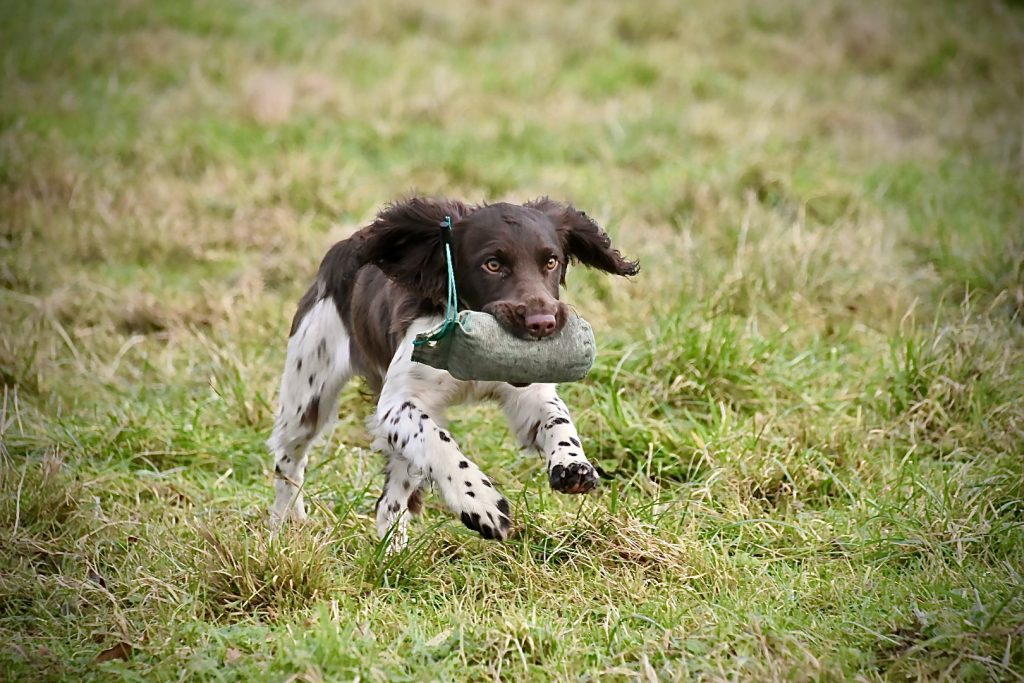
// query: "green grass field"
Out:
[810,401]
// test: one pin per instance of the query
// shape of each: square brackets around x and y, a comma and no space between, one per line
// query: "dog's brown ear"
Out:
[404,241]
[583,239]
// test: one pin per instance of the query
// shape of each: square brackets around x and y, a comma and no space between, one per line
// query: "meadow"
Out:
[808,404]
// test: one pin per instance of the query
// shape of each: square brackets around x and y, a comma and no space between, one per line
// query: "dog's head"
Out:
[509,259]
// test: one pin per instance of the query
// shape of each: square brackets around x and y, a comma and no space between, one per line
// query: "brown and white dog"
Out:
[375,291]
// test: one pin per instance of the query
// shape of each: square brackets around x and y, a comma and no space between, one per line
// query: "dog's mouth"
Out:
[529,322]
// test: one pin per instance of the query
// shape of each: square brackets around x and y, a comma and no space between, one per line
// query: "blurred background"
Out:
[820,359]
[149,142]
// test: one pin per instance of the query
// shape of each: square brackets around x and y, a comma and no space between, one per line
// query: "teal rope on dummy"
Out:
[452,308]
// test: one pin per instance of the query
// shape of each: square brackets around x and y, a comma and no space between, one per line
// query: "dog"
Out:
[388,282]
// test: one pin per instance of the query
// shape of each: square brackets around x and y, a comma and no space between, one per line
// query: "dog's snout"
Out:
[540,325]
[531,319]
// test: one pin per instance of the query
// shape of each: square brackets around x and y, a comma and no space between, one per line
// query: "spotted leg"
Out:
[541,421]
[402,498]
[408,429]
[316,369]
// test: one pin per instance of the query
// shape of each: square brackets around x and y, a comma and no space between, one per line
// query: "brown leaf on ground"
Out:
[116,651]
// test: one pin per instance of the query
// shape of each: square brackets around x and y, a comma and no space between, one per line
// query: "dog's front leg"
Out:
[419,449]
[408,428]
[541,421]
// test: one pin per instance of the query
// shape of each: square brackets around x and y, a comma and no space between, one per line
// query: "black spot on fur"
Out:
[469,484]
[558,421]
[395,507]
[471,520]
[312,414]
[532,436]
[408,405]
[503,506]
[486,483]
[423,416]
[463,464]
[298,366]
[415,502]
[311,380]
[470,494]
[444,436]
[405,484]
[277,470]
[563,444]
[575,441]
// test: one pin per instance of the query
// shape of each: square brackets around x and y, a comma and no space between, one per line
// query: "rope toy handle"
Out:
[452,306]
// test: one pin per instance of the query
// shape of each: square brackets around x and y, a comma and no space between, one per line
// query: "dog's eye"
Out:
[552,263]
[492,265]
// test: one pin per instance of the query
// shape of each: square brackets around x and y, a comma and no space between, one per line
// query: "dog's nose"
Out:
[540,325]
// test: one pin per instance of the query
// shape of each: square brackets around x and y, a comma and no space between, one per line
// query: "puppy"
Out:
[388,282]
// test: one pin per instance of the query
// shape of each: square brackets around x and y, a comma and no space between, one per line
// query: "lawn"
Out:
[808,403]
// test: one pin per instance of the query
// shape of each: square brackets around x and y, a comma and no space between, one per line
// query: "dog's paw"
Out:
[287,511]
[576,477]
[490,521]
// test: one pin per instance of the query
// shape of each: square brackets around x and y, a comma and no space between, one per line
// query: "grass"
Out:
[809,403]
